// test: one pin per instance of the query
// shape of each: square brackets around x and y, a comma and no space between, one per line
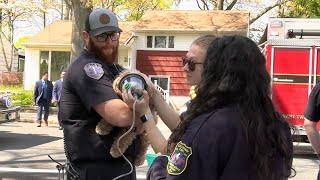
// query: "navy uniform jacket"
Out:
[312,111]
[38,91]
[213,147]
[88,82]
[56,93]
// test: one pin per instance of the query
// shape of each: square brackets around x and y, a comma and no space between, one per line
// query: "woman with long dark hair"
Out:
[231,129]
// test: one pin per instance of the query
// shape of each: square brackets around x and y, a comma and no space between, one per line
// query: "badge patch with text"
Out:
[179,159]
[94,70]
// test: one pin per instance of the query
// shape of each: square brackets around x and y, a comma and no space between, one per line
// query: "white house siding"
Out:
[133,55]
[182,41]
[122,56]
[32,61]
[31,68]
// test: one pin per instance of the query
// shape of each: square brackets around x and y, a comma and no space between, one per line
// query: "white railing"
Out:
[164,93]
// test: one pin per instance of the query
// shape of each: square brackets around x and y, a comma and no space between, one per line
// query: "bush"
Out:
[19,96]
[23,98]
[11,78]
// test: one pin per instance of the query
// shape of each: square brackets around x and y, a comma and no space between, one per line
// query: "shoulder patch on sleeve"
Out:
[179,159]
[94,70]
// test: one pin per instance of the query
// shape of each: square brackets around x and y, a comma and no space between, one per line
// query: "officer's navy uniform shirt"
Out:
[312,111]
[85,148]
[219,150]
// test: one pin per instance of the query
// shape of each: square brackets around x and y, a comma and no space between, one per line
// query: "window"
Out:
[54,62]
[21,64]
[171,41]
[160,41]
[44,62]
[149,41]
[162,81]
[60,60]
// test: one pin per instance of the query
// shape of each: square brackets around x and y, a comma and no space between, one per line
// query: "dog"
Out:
[104,128]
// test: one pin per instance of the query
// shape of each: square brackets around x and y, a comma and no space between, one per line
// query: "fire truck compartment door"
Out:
[291,79]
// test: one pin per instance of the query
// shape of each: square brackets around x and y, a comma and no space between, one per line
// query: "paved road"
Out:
[24,149]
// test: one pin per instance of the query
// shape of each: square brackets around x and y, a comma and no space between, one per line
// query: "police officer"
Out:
[231,129]
[87,97]
[311,119]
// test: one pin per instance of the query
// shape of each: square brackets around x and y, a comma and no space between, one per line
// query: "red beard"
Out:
[108,58]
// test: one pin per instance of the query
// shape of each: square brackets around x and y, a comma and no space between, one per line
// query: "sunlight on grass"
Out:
[16,89]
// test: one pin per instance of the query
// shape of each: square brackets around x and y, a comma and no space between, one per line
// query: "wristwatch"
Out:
[146,117]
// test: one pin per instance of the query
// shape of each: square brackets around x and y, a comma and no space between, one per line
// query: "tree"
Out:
[79,8]
[130,9]
[11,10]
[301,8]
[134,9]
[238,4]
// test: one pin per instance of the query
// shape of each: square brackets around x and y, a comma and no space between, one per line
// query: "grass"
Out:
[13,89]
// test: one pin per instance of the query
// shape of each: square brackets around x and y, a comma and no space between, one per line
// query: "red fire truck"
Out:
[293,60]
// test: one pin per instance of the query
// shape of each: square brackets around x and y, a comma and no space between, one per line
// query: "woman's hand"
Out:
[141,106]
[149,82]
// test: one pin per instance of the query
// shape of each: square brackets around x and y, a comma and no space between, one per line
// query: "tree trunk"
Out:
[79,13]
[220,4]
[3,51]
[67,10]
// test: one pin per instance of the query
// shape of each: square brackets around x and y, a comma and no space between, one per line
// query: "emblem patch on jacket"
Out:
[94,70]
[179,159]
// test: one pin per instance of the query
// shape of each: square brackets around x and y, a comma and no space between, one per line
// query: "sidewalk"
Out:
[49,140]
[53,122]
[32,118]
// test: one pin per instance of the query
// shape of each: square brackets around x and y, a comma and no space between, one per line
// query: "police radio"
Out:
[130,81]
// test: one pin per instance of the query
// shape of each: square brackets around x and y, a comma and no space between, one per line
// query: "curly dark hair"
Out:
[235,73]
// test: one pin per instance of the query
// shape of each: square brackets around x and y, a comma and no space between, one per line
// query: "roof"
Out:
[57,33]
[60,33]
[197,20]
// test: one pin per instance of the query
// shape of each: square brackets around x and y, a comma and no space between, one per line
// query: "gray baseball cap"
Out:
[100,21]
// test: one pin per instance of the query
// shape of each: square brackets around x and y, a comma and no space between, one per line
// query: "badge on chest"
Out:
[179,159]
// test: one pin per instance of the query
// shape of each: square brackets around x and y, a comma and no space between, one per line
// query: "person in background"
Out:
[56,94]
[87,96]
[311,119]
[42,96]
[231,129]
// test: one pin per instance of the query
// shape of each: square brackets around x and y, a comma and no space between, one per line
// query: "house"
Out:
[153,45]
[5,53]
[50,50]
[163,36]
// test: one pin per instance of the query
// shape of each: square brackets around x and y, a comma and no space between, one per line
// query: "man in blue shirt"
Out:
[42,97]
[56,94]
